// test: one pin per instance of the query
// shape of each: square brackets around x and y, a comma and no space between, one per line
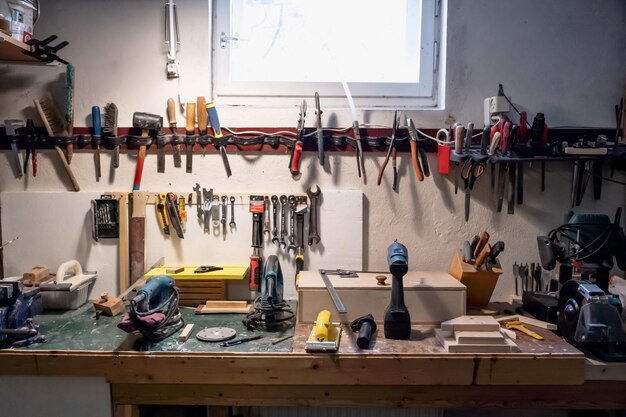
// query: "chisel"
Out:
[190,130]
[217,132]
[97,137]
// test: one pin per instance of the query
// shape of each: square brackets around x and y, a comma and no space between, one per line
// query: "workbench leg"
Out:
[125,410]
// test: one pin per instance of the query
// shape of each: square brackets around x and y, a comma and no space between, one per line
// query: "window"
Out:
[271,51]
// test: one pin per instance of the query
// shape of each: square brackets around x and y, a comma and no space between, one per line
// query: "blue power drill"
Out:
[397,319]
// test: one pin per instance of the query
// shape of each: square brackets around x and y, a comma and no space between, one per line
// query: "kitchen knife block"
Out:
[480,283]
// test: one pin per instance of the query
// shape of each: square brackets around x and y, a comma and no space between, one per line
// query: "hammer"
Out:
[146,122]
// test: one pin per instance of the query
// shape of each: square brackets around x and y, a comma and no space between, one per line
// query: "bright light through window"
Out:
[326,41]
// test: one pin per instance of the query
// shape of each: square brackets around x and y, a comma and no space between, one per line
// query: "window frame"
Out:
[225,93]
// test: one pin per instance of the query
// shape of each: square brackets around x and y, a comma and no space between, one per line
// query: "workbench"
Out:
[418,372]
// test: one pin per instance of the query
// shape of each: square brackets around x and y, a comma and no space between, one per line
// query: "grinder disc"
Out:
[216,334]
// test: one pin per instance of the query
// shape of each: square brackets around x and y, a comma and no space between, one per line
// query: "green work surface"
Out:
[79,330]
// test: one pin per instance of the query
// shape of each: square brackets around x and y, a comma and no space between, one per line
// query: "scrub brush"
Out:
[69,108]
[109,130]
[55,126]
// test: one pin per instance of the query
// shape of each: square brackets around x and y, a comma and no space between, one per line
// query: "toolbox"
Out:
[76,285]
[431,297]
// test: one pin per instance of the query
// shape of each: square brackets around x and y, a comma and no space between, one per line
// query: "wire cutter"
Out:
[471,171]
[318,129]
[391,152]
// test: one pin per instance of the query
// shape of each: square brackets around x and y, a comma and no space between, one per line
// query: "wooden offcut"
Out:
[108,305]
[184,335]
[215,307]
[451,345]
[471,323]
[36,276]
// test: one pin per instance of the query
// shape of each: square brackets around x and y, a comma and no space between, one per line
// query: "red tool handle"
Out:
[443,159]
[141,155]
[255,272]
[295,158]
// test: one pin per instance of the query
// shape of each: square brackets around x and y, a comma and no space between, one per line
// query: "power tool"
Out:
[397,322]
[270,309]
[154,310]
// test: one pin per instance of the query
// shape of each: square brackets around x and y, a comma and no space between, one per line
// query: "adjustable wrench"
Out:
[275,239]
[292,224]
[283,228]
[232,223]
[314,237]
[266,213]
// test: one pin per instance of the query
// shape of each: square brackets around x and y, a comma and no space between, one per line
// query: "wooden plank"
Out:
[11,50]
[213,307]
[451,345]
[184,335]
[124,249]
[524,370]
[138,236]
[473,337]
[602,371]
[471,323]
[593,395]
[238,369]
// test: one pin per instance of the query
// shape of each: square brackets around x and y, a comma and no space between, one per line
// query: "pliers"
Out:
[418,155]
[391,152]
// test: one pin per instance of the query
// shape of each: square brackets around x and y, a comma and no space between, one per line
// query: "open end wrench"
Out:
[232,223]
[275,239]
[283,228]
[266,216]
[314,237]
[292,224]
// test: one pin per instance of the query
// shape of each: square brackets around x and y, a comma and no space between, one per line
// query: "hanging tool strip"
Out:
[239,140]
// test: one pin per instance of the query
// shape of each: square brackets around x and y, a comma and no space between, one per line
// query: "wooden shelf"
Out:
[11,50]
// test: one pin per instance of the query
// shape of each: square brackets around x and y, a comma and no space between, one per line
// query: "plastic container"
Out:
[79,290]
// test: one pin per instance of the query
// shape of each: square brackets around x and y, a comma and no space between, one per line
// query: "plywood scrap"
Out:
[471,323]
[217,306]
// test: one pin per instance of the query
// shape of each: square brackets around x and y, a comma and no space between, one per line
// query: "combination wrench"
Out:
[292,224]
[283,228]
[224,214]
[232,223]
[266,215]
[275,239]
[314,237]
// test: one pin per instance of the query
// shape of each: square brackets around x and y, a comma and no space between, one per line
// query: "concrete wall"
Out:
[562,58]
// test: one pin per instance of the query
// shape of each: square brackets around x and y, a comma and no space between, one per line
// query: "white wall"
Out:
[564,58]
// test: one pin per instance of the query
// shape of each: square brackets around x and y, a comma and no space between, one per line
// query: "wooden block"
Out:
[36,276]
[108,305]
[479,338]
[471,323]
[451,345]
[174,270]
[213,307]
[509,333]
[184,335]
[480,282]
[431,297]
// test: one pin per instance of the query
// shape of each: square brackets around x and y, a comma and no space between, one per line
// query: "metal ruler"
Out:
[341,309]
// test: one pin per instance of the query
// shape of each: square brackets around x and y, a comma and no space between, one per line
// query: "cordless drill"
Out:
[397,322]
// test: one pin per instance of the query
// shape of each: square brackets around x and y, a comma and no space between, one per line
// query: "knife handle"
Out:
[484,238]
[171,112]
[191,115]
[467,252]
[96,121]
[480,259]
[458,139]
[202,114]
[255,272]
[468,136]
[484,140]
[214,120]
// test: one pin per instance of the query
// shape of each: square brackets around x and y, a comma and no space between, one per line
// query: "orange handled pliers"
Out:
[418,155]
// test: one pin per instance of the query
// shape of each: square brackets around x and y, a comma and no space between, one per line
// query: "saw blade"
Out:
[216,334]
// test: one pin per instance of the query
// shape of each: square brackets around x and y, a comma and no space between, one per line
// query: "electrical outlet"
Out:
[494,106]
[172,70]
